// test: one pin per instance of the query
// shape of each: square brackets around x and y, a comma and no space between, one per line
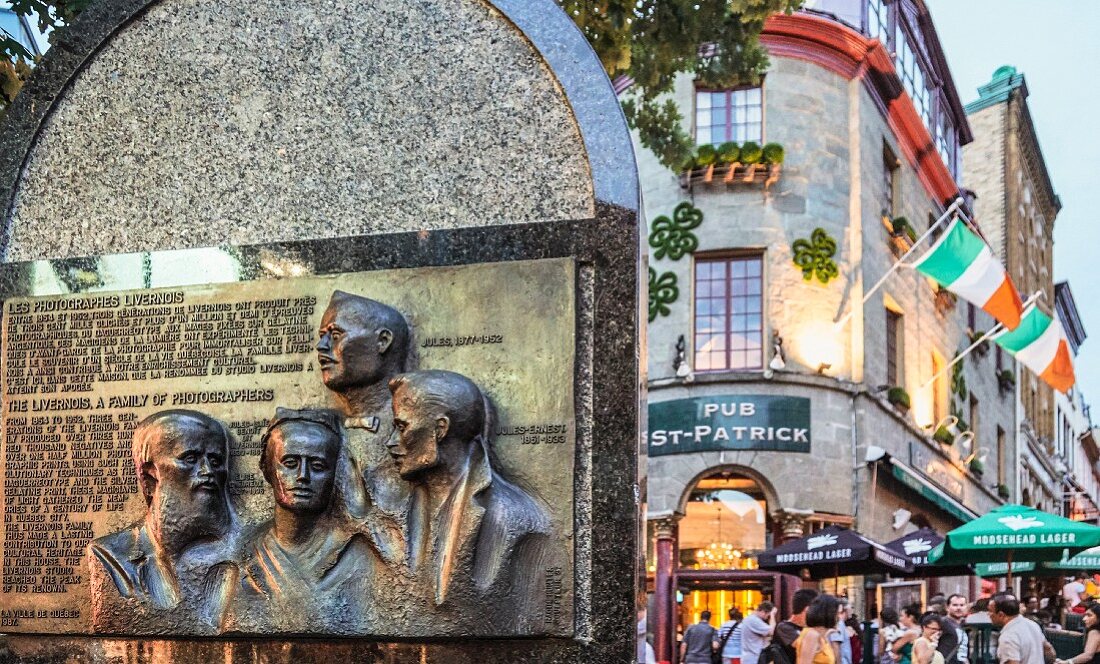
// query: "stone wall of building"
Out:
[983,172]
[834,179]
[820,480]
[805,111]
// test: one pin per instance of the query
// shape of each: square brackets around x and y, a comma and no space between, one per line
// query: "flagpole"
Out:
[993,331]
[901,260]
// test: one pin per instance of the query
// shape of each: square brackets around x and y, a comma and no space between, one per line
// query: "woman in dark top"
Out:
[1092,639]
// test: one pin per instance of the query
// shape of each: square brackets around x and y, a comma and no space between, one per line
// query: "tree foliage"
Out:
[16,60]
[652,41]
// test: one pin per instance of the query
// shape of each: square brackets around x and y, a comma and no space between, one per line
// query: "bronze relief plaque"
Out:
[383,454]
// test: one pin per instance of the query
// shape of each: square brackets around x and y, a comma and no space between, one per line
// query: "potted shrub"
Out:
[943,436]
[1003,492]
[773,154]
[976,466]
[728,154]
[981,349]
[1006,381]
[899,399]
[945,300]
[902,235]
[902,228]
[751,154]
[705,158]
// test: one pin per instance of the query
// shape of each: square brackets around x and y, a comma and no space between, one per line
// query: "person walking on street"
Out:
[954,642]
[756,631]
[813,645]
[840,634]
[698,641]
[788,631]
[1073,593]
[925,646]
[1092,639]
[728,640]
[1021,641]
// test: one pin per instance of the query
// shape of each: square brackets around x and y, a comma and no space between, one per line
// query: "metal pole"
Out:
[901,261]
[993,331]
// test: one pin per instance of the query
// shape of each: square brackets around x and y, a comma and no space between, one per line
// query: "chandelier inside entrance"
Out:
[719,554]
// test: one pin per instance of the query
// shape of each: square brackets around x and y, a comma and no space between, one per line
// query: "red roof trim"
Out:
[846,52]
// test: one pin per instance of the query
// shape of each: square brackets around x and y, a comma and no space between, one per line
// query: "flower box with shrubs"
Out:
[1002,491]
[981,349]
[732,164]
[1006,381]
[899,399]
[902,234]
[945,300]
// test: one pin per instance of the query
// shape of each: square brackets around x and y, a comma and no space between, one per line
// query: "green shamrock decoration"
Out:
[663,291]
[815,256]
[673,237]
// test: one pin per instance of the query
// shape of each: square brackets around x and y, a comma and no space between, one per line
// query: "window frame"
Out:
[726,256]
[891,167]
[895,338]
[729,123]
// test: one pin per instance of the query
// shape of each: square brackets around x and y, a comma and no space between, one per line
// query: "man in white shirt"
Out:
[1021,640]
[1074,590]
[756,631]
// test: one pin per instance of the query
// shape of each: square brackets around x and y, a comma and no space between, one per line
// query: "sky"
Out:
[1054,45]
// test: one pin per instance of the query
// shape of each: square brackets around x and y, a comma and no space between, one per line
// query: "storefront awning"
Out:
[928,490]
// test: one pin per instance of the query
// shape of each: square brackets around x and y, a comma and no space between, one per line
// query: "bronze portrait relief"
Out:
[343,465]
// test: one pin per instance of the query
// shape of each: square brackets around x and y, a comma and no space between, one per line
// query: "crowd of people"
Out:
[822,630]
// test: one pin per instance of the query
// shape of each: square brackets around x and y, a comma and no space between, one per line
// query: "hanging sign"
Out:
[729,422]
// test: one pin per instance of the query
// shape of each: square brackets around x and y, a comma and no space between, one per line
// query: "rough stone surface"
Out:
[242,122]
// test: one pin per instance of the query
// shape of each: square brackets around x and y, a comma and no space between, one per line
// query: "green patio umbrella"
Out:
[1015,533]
[1088,560]
[991,570]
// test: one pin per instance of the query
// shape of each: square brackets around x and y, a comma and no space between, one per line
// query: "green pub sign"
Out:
[729,422]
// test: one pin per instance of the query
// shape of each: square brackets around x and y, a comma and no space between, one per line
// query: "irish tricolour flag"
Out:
[1039,343]
[963,263]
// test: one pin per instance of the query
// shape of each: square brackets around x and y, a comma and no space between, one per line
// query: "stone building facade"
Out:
[1017,207]
[860,97]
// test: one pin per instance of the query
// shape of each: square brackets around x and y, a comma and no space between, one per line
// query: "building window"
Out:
[971,317]
[945,141]
[911,73]
[729,115]
[999,358]
[894,328]
[890,165]
[729,305]
[1002,451]
[974,420]
[878,21]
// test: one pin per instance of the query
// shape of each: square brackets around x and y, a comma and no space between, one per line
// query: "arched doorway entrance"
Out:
[725,522]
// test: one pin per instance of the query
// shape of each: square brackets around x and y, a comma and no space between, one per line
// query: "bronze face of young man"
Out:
[308,570]
[361,344]
[476,541]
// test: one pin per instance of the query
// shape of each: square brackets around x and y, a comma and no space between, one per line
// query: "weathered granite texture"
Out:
[239,121]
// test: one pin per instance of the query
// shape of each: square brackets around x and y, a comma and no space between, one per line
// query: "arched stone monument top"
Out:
[180,123]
